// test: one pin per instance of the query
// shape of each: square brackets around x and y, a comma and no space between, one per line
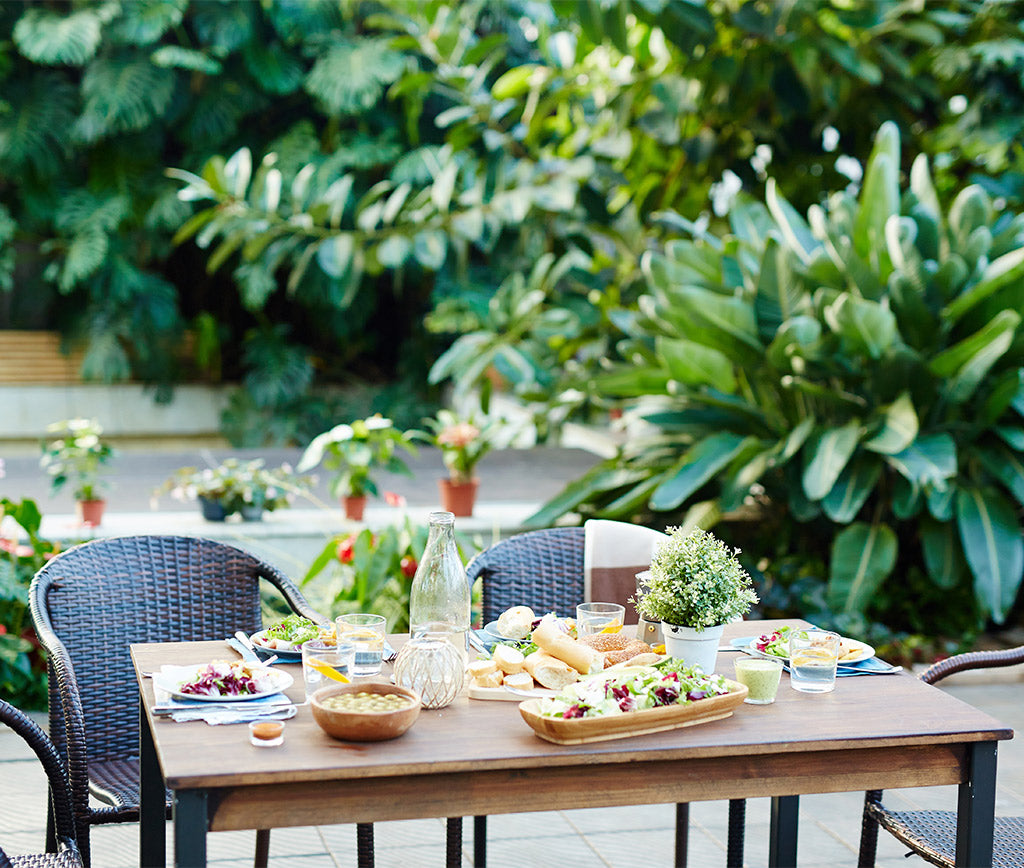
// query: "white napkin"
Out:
[613,553]
[218,717]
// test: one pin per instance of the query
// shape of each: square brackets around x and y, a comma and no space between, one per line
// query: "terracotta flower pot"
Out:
[458,498]
[354,507]
[90,512]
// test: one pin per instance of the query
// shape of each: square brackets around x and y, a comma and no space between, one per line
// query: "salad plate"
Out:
[269,681]
[851,651]
[259,641]
[583,730]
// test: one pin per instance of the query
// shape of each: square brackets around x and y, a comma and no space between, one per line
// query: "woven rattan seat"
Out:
[932,834]
[543,569]
[94,600]
[64,833]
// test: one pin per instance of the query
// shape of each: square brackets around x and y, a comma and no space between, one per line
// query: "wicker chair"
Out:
[543,569]
[67,856]
[932,834]
[89,604]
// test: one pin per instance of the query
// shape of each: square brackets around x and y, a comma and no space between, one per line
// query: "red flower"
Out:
[393,499]
[409,566]
[3,629]
[346,549]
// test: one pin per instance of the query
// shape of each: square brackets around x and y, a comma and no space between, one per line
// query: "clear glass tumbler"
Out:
[813,655]
[366,633]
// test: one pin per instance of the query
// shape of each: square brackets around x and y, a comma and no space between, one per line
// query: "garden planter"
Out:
[252,512]
[212,510]
[90,512]
[354,507]
[692,647]
[458,498]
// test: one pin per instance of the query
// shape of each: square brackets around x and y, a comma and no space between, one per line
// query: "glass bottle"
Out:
[439,602]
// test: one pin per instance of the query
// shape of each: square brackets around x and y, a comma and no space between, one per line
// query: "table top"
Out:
[476,735]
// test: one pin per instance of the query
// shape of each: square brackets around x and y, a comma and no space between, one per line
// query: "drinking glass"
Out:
[366,632]
[594,618]
[761,676]
[813,655]
[324,664]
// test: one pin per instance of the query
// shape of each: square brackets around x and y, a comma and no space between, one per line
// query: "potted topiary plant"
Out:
[695,586]
[351,452]
[76,455]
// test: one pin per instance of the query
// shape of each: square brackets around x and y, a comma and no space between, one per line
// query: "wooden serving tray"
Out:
[582,730]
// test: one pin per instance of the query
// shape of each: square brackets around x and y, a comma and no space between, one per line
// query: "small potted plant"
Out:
[76,455]
[462,443]
[245,487]
[351,452]
[695,586]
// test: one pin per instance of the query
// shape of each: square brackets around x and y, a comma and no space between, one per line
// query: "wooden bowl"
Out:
[364,725]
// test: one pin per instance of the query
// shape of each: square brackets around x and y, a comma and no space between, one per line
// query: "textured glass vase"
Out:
[433,667]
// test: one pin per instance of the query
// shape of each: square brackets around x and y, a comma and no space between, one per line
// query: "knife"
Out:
[247,654]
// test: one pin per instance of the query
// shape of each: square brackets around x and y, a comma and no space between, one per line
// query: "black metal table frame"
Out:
[190,812]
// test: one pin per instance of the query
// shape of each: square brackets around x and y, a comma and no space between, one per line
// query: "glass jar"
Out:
[433,667]
[439,601]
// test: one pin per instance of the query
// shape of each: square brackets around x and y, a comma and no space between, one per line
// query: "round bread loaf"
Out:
[616,647]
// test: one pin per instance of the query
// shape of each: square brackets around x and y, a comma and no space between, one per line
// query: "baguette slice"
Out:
[488,679]
[508,659]
[481,667]
[549,671]
[520,681]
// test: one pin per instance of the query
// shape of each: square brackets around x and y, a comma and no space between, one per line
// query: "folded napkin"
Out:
[613,553]
[241,714]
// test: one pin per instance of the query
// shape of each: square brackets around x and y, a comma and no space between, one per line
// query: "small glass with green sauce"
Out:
[761,676]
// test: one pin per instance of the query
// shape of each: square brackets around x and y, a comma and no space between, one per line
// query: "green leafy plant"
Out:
[351,452]
[854,377]
[695,581]
[463,442]
[22,554]
[76,456]
[237,485]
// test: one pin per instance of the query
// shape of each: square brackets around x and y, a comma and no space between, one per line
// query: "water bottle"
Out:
[439,602]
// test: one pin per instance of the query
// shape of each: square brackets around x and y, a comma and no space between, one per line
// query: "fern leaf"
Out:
[278,371]
[273,67]
[255,284]
[224,27]
[217,112]
[105,358]
[85,254]
[122,95]
[350,77]
[52,40]
[143,22]
[293,19]
[176,57]
[33,133]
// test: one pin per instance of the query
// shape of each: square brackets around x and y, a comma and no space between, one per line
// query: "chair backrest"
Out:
[94,600]
[43,748]
[542,569]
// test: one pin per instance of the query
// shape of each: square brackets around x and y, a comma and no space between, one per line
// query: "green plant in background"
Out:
[236,485]
[463,442]
[856,376]
[351,452]
[22,665]
[76,456]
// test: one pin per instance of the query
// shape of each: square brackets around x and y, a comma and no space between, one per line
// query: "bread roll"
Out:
[516,623]
[489,679]
[509,660]
[549,671]
[481,667]
[616,647]
[561,645]
[520,681]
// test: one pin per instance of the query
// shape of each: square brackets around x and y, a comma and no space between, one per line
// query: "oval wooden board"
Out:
[582,730]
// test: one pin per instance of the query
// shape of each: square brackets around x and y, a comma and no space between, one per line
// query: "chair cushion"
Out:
[932,834]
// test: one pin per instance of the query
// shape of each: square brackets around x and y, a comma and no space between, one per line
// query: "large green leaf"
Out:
[991,538]
[827,456]
[701,462]
[929,460]
[942,555]
[696,365]
[899,427]
[852,489]
[778,293]
[880,194]
[795,231]
[603,477]
[54,39]
[1007,467]
[752,466]
[862,557]
[966,363]
[1006,270]
[866,326]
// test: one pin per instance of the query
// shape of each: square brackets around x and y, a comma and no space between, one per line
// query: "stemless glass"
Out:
[322,664]
[594,618]
[366,632]
[813,655]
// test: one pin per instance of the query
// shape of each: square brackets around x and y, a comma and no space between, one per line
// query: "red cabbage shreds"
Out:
[694,695]
[625,699]
[214,682]
[666,694]
[573,711]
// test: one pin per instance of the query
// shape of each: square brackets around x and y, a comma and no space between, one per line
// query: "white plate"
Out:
[864,651]
[170,679]
[293,653]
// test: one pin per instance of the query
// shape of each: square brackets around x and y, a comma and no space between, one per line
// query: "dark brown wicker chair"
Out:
[67,856]
[89,604]
[932,834]
[543,569]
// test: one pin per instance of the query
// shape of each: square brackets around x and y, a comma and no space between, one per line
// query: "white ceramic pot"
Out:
[693,647]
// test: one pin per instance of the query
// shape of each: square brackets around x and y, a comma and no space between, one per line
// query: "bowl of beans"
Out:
[370,711]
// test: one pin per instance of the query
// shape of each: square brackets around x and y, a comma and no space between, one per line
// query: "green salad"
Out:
[775,643]
[294,630]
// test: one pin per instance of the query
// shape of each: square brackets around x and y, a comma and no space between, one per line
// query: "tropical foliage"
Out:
[856,376]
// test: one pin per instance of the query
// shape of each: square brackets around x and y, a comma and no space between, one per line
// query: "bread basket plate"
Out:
[583,730]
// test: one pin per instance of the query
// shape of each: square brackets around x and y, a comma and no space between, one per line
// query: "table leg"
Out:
[976,807]
[783,831]
[152,801]
[190,827]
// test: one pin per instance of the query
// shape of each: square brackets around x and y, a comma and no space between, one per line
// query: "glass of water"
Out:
[813,655]
[366,633]
[594,618]
[325,664]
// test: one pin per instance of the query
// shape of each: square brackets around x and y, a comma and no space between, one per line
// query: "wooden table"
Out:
[477,757]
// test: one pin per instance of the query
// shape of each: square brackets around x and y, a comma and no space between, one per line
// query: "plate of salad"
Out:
[222,681]
[632,700]
[286,638]
[776,644]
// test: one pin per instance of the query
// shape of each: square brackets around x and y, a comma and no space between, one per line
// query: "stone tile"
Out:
[429,833]
[654,849]
[635,818]
[531,851]
[23,796]
[536,824]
